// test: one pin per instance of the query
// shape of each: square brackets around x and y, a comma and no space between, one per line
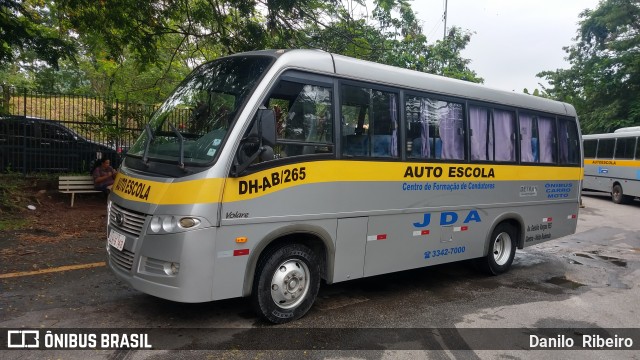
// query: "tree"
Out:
[603,82]
[28,26]
[138,49]
[393,37]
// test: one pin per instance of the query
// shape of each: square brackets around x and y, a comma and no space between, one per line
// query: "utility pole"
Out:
[446,3]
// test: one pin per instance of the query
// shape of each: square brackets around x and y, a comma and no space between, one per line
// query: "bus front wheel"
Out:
[286,283]
[502,250]
[618,196]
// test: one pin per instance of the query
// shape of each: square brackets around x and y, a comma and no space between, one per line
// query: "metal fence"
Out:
[65,133]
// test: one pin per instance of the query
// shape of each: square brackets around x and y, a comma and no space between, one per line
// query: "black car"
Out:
[32,145]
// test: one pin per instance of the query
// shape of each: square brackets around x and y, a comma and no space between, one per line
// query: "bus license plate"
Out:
[116,240]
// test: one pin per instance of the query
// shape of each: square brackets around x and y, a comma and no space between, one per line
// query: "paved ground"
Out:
[584,281]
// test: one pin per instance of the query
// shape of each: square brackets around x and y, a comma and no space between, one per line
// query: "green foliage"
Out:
[114,123]
[603,82]
[10,189]
[27,26]
[138,50]
[394,38]
[13,224]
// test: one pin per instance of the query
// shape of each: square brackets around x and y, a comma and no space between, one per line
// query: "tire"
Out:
[618,196]
[502,250]
[286,283]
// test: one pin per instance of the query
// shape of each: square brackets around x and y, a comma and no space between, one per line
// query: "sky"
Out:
[514,39]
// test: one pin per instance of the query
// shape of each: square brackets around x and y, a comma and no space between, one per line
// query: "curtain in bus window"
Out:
[504,129]
[563,142]
[451,132]
[479,123]
[394,126]
[526,138]
[425,150]
[546,139]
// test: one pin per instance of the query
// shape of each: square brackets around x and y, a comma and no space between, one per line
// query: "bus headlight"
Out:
[156,224]
[172,224]
[168,223]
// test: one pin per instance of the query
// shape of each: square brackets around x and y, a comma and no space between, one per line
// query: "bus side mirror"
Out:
[265,127]
[259,141]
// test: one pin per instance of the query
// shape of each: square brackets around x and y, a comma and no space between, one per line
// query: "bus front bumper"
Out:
[175,267]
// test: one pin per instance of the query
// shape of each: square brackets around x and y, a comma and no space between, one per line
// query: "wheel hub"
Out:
[290,284]
[502,248]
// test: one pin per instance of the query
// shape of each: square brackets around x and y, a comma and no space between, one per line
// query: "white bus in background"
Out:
[294,167]
[628,129]
[612,163]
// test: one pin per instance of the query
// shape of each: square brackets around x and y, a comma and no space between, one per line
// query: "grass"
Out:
[13,224]
[16,192]
[10,189]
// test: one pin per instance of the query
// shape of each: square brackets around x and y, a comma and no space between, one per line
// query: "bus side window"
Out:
[547,140]
[568,141]
[434,129]
[537,139]
[370,122]
[625,147]
[482,138]
[605,148]
[504,127]
[492,134]
[590,148]
[304,123]
[528,142]
[451,128]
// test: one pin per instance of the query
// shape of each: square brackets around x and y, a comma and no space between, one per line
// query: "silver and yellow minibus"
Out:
[266,173]
[612,164]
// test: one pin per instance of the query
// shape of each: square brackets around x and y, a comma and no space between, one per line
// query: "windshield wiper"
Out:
[181,162]
[145,158]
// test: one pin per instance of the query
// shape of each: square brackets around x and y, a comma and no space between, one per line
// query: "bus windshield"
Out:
[190,126]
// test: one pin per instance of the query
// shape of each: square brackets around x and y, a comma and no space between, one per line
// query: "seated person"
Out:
[103,175]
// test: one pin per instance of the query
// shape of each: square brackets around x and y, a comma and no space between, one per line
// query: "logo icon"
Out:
[119,219]
[23,339]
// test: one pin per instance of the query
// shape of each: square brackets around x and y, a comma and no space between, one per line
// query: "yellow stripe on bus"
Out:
[269,181]
[165,193]
[601,162]
[283,177]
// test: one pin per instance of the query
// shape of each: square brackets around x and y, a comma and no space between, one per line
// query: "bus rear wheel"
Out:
[618,196]
[502,250]
[286,283]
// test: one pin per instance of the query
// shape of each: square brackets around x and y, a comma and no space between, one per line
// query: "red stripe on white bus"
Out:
[377,237]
